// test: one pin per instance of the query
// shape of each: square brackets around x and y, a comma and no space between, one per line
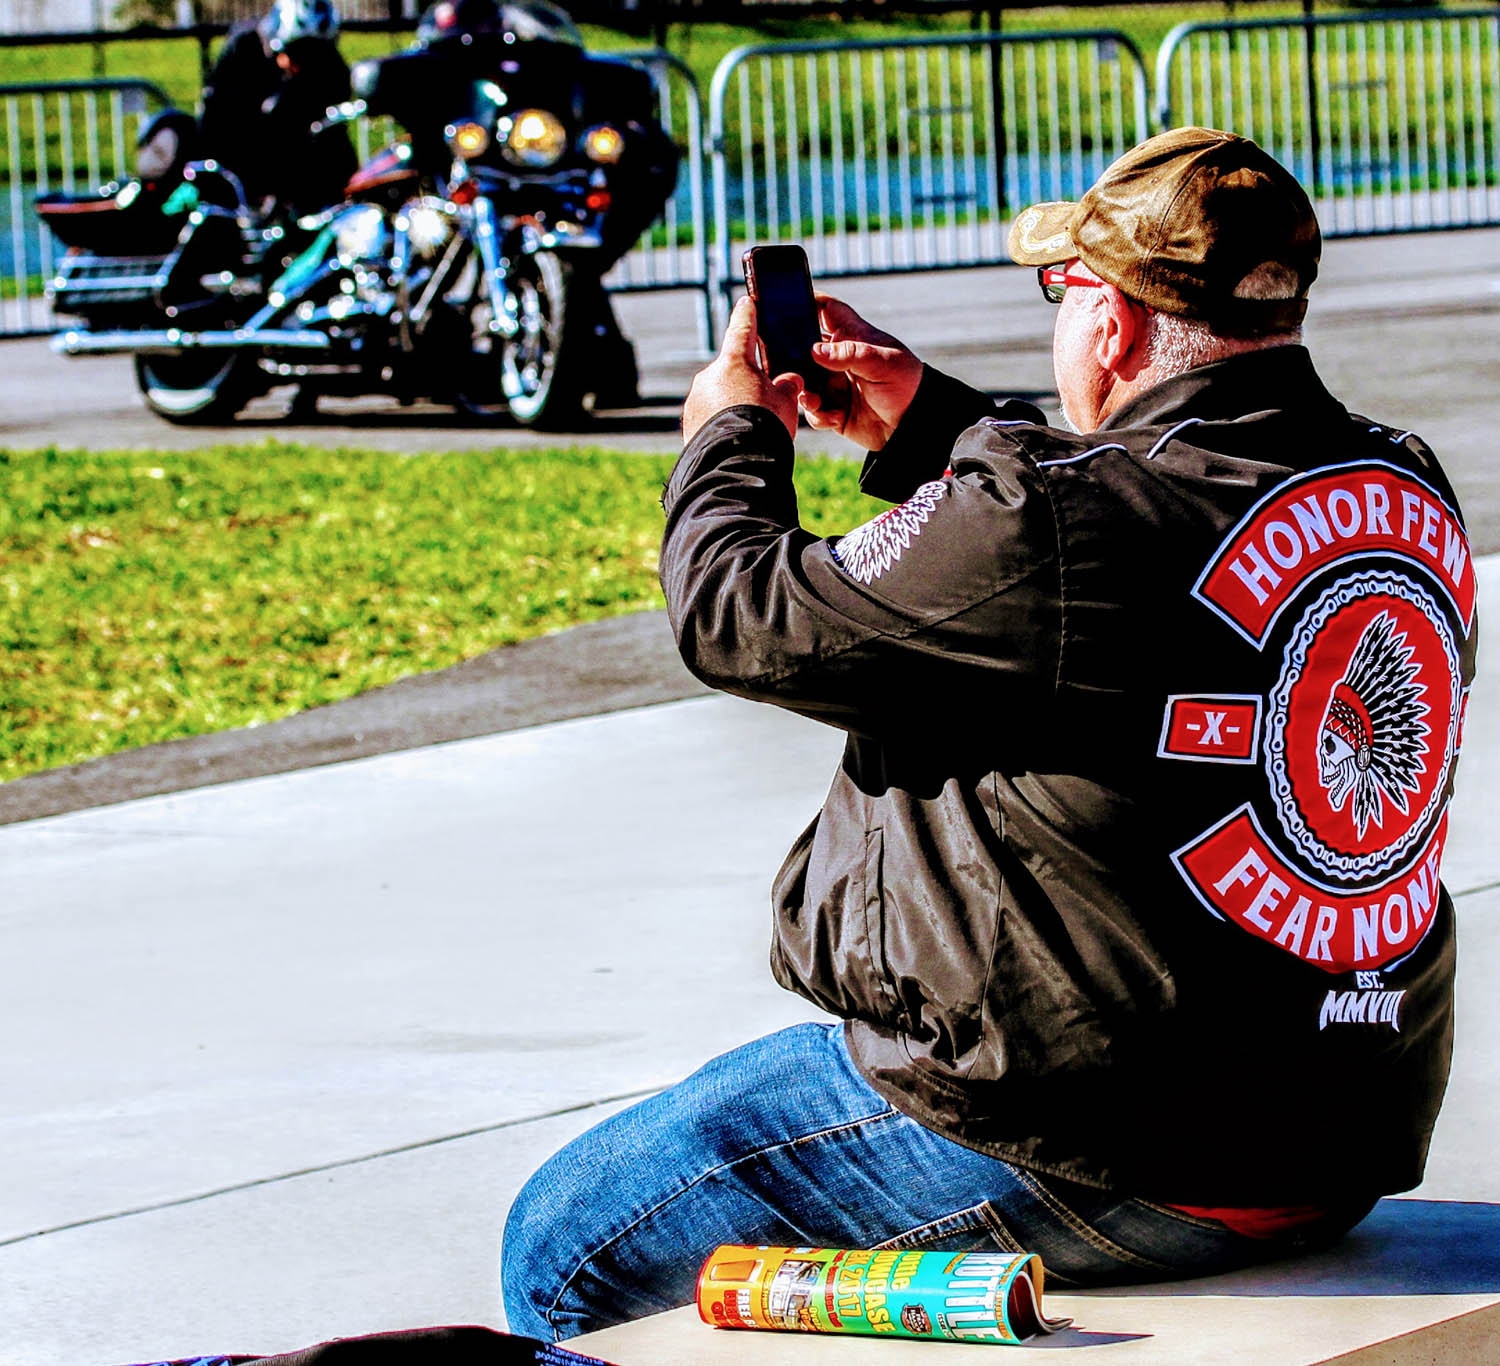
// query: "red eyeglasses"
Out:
[1055,281]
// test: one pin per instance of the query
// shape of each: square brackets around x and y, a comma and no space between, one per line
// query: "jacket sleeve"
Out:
[918,450]
[953,591]
[242,79]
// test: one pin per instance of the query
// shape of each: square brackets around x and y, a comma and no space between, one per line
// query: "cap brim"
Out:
[1039,235]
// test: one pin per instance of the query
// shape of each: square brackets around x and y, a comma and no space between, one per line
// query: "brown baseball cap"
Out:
[1195,222]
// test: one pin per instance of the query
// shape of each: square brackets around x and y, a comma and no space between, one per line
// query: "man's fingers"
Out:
[864,360]
[739,335]
[839,355]
[839,390]
[789,385]
[821,419]
[838,316]
[828,411]
[840,321]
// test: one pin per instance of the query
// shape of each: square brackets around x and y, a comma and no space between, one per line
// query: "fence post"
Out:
[97,19]
[721,280]
[205,60]
[1310,79]
[997,110]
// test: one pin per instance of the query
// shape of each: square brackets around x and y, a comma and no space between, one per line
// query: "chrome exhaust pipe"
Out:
[173,341]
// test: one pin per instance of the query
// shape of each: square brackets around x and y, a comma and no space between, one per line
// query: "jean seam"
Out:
[999,1231]
[1183,1217]
[888,1112]
[959,1221]
[1099,1241]
[1008,1242]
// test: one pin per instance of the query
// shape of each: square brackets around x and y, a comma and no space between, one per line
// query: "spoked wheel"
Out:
[197,387]
[534,375]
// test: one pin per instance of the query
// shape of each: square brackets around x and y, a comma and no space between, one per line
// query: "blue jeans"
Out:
[783,1143]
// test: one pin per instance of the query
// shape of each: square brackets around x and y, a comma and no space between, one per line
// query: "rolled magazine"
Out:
[958,1296]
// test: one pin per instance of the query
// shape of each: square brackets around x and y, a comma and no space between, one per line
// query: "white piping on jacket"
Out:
[1074,459]
[1186,422]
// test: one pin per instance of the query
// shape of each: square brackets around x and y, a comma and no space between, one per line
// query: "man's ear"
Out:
[1120,343]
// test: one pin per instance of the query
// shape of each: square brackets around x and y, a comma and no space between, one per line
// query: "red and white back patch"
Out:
[1361,579]
[1215,730]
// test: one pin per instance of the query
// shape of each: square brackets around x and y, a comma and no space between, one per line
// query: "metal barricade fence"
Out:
[674,252]
[910,154]
[1390,119]
[58,135]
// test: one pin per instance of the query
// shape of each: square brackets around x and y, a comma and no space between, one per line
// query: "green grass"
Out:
[32,287]
[174,64]
[155,595]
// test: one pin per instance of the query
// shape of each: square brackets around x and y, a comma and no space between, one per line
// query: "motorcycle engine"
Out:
[362,240]
[360,234]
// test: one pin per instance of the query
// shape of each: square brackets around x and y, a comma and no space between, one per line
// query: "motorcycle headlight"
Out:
[533,138]
[428,223]
[467,140]
[604,144]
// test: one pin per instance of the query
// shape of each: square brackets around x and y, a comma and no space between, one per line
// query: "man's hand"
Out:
[882,377]
[734,376]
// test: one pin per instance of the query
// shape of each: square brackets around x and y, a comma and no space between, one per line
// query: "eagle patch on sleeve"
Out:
[869,550]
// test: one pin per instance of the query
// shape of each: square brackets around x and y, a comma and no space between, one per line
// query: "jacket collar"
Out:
[1278,378]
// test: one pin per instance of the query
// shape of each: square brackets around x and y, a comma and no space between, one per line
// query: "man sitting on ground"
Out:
[1125,895]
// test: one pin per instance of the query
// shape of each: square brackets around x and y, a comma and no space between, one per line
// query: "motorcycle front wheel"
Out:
[196,388]
[534,376]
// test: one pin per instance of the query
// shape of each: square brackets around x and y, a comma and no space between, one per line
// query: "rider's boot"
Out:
[304,405]
[612,359]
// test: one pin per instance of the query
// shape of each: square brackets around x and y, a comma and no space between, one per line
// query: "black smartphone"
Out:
[786,314]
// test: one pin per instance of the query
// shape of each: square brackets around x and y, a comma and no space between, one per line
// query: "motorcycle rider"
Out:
[460,41]
[273,80]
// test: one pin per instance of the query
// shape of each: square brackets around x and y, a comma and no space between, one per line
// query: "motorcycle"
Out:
[463,266]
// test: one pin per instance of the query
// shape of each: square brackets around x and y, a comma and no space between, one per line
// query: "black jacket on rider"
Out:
[1130,871]
[257,120]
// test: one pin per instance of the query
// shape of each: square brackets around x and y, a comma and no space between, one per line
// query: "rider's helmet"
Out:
[294,21]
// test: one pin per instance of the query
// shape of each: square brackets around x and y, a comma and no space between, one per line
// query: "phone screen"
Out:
[786,312]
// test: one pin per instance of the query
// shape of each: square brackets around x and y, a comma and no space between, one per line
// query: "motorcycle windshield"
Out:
[483,106]
[536,21]
[478,22]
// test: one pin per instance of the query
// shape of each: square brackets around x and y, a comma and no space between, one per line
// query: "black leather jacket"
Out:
[258,121]
[1129,873]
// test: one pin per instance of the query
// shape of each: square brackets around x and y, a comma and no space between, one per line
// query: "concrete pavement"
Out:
[234,1011]
[282,1050]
